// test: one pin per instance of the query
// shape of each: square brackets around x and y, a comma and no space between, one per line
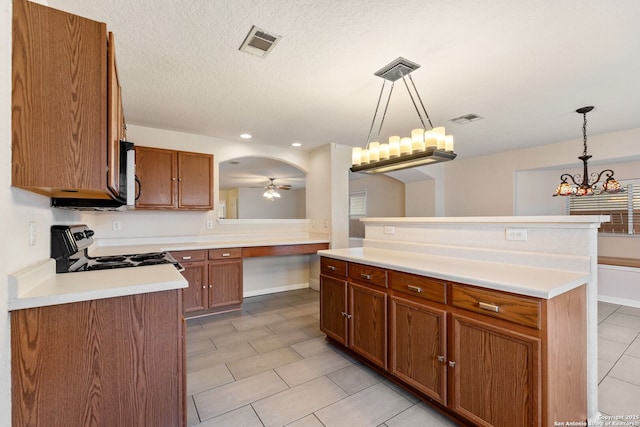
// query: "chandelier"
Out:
[271,192]
[421,148]
[585,184]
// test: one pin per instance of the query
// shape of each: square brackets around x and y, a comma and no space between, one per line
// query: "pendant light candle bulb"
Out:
[394,146]
[364,157]
[384,151]
[417,140]
[374,151]
[356,153]
[440,135]
[405,146]
[431,139]
[448,143]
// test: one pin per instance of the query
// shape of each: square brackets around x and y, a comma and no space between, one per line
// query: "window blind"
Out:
[624,209]
[358,204]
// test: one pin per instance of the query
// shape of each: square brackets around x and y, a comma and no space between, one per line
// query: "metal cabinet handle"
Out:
[366,276]
[487,306]
[348,316]
[186,257]
[441,359]
[211,286]
[226,254]
[331,267]
[414,288]
[204,286]
[452,363]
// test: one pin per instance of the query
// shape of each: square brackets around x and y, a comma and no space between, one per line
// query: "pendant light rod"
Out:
[419,99]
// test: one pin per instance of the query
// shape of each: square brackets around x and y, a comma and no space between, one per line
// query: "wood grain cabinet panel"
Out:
[112,362]
[417,346]
[495,374]
[170,179]
[333,308]
[61,67]
[195,297]
[368,323]
[225,282]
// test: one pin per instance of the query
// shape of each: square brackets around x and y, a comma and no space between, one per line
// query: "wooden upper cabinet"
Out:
[195,178]
[156,170]
[59,103]
[170,179]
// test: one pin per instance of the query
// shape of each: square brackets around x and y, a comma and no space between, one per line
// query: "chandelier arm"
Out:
[375,114]
[609,173]
[384,113]
[421,103]
[564,176]
[414,102]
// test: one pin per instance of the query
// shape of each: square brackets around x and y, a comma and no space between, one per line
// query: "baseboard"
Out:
[619,301]
[266,291]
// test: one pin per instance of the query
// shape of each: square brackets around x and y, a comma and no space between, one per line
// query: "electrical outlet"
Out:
[519,234]
[116,225]
[389,229]
[209,224]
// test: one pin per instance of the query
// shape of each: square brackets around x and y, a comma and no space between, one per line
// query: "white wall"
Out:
[252,205]
[420,198]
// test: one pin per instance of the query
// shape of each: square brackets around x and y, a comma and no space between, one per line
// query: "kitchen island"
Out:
[470,313]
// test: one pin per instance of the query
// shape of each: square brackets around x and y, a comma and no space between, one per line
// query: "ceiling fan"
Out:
[271,190]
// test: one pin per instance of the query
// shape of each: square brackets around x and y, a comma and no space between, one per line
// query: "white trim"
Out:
[277,289]
[618,267]
[619,301]
[262,221]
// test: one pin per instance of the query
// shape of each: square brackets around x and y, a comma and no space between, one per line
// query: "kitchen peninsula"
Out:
[472,313]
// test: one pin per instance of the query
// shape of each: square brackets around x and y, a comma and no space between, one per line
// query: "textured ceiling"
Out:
[523,65]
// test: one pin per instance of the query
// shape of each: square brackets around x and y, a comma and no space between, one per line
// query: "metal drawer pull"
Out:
[331,267]
[186,257]
[366,276]
[348,316]
[452,363]
[490,307]
[226,254]
[440,359]
[414,288]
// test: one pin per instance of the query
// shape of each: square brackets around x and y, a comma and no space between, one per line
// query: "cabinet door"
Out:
[333,308]
[114,110]
[495,374]
[417,347]
[194,297]
[368,323]
[195,181]
[59,75]
[156,170]
[225,282]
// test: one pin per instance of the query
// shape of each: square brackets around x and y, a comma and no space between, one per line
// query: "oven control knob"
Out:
[78,235]
[89,233]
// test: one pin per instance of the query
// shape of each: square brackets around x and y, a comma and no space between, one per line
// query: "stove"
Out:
[69,247]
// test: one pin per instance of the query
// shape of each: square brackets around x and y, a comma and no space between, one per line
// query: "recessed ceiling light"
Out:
[245,136]
[296,144]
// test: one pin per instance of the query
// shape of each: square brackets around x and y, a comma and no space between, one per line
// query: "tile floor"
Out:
[269,365]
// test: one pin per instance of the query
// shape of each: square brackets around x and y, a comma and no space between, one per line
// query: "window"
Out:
[357,210]
[624,209]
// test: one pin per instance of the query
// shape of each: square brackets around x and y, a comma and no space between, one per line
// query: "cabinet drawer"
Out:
[333,267]
[368,275]
[418,286]
[189,256]
[225,253]
[517,309]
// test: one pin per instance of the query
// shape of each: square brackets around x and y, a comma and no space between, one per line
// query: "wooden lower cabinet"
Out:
[333,308]
[113,362]
[418,347]
[494,373]
[485,357]
[215,280]
[368,323]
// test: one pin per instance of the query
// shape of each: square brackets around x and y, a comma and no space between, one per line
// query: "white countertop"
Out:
[523,280]
[143,247]
[39,285]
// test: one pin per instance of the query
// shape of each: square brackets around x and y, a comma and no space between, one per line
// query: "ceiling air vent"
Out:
[259,42]
[467,118]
